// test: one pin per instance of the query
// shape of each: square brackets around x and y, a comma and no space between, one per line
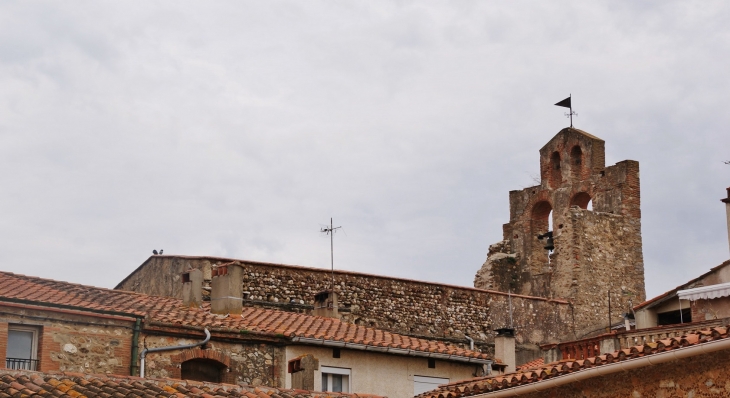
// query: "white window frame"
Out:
[34,344]
[431,381]
[329,370]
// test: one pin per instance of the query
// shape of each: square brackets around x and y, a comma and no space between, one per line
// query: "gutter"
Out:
[623,366]
[391,350]
[67,309]
[170,348]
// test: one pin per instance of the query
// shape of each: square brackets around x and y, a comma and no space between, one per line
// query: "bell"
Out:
[549,244]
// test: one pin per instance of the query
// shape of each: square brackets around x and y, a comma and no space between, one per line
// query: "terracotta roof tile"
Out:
[36,384]
[522,376]
[532,364]
[168,310]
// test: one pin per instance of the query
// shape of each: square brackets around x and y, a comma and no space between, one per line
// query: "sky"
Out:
[237,129]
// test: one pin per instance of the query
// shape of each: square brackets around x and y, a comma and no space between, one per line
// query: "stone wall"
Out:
[250,363]
[597,251]
[404,306]
[700,376]
[73,343]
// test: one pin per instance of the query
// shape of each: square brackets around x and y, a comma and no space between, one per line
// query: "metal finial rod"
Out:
[331,232]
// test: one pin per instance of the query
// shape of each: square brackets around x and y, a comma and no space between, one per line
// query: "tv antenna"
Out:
[331,232]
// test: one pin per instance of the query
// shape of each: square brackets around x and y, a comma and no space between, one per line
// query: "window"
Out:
[422,384]
[335,379]
[22,350]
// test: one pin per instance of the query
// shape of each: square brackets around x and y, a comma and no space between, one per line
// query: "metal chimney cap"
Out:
[505,332]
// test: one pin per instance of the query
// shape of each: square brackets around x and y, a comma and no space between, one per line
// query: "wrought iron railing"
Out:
[21,364]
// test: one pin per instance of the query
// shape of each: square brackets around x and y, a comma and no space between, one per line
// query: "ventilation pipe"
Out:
[471,342]
[169,348]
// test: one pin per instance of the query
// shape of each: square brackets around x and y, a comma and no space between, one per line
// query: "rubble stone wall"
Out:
[250,363]
[404,306]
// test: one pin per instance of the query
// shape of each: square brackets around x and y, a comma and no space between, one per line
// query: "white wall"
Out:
[379,373]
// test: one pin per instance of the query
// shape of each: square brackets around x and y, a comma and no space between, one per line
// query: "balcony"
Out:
[21,364]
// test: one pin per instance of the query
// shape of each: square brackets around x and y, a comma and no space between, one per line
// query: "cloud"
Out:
[236,129]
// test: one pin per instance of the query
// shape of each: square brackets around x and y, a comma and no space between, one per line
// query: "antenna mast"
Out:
[331,232]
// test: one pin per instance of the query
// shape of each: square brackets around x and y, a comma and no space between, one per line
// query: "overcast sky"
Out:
[238,129]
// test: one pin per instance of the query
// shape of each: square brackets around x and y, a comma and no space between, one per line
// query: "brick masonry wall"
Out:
[700,376]
[73,343]
[251,363]
[403,306]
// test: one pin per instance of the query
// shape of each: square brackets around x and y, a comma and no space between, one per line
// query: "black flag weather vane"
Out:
[566,103]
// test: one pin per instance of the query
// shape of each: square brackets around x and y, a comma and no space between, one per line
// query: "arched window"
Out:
[202,370]
[541,214]
[556,177]
[582,200]
[576,160]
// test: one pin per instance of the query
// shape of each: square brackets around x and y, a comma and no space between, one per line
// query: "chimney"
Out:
[325,304]
[504,348]
[226,295]
[727,211]
[192,291]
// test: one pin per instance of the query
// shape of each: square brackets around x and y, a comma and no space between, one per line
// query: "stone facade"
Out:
[598,251]
[250,363]
[403,306]
[71,342]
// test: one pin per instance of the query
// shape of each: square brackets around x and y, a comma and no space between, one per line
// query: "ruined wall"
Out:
[596,251]
[408,307]
[73,343]
[250,363]
[700,376]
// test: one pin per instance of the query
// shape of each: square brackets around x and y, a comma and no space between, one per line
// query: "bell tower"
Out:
[595,237]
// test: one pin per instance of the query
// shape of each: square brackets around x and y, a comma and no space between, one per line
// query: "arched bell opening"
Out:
[200,369]
[582,200]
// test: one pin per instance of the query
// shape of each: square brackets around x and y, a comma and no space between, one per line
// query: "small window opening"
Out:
[335,353]
[202,370]
[556,177]
[674,317]
[431,363]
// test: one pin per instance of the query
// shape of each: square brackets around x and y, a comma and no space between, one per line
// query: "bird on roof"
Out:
[161,251]
[154,252]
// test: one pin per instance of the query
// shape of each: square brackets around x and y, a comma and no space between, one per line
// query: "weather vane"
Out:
[566,104]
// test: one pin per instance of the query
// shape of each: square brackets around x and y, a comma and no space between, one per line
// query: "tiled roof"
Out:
[170,311]
[532,364]
[484,385]
[14,383]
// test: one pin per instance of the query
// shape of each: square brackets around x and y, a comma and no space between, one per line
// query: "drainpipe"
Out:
[170,348]
[471,342]
[135,348]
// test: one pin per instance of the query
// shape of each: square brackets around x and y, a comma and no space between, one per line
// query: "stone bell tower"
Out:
[596,229]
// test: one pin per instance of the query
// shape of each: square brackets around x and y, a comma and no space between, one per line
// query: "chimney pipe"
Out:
[226,295]
[504,348]
[727,211]
[192,290]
